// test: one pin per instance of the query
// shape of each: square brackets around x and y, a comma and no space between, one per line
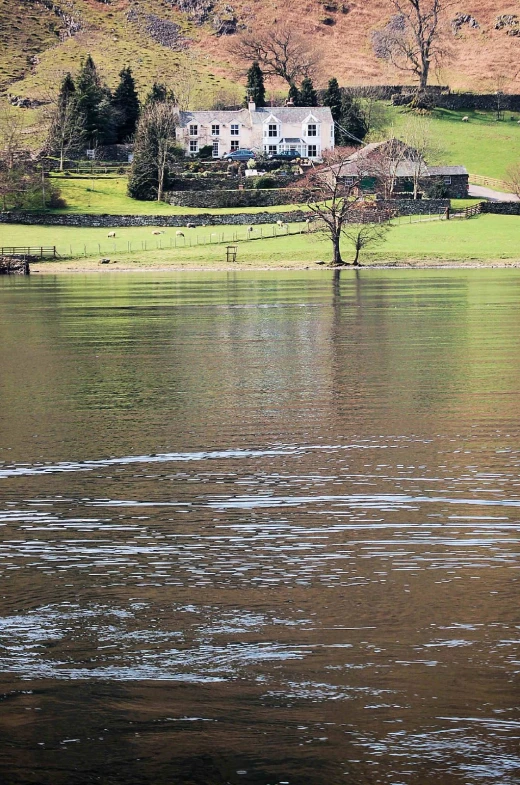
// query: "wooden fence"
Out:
[490,182]
[30,250]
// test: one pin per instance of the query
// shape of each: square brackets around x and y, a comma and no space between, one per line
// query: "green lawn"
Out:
[108,195]
[482,145]
[488,237]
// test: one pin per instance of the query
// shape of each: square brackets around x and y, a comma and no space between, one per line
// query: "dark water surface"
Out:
[260,529]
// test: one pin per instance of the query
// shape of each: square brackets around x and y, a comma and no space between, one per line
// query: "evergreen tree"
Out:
[308,95]
[66,133]
[352,120]
[332,99]
[294,95]
[255,88]
[90,95]
[159,94]
[126,106]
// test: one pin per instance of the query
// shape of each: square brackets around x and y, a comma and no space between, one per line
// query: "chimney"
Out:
[251,104]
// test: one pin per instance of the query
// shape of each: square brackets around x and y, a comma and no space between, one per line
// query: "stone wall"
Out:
[466,102]
[210,200]
[84,220]
[501,208]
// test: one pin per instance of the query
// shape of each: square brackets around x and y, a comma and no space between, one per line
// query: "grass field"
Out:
[486,238]
[108,195]
[482,145]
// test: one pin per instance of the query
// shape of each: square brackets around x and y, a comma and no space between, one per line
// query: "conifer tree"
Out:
[352,122]
[159,94]
[66,133]
[126,106]
[308,95]
[90,95]
[255,88]
[332,99]
[294,95]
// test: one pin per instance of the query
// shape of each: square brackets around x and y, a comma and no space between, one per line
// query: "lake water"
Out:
[260,528]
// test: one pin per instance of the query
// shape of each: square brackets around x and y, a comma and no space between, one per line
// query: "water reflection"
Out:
[260,528]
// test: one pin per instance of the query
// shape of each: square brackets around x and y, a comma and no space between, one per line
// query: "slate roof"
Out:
[223,117]
[447,170]
[285,114]
[291,114]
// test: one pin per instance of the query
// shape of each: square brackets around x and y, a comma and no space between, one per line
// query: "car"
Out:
[242,154]
[285,155]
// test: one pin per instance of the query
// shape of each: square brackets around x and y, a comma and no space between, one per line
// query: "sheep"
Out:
[157,232]
[111,234]
[250,229]
[279,223]
[179,234]
[465,119]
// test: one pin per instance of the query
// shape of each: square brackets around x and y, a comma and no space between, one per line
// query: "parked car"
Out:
[285,155]
[242,154]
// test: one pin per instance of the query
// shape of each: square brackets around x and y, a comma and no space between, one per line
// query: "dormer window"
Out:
[215,130]
[312,129]
[272,130]
[235,129]
[194,130]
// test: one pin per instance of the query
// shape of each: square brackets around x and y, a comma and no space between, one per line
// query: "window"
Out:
[312,151]
[194,146]
[447,181]
[215,149]
[312,129]
[348,181]
[235,128]
[272,149]
[272,130]
[234,144]
[194,130]
[215,130]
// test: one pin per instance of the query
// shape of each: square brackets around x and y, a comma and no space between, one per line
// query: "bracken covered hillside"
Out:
[41,39]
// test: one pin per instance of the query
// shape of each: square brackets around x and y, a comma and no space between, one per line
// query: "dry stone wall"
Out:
[85,220]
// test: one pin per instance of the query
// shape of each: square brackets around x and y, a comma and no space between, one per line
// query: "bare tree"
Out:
[12,128]
[365,235]
[513,179]
[155,151]
[280,51]
[334,198]
[412,39]
[420,150]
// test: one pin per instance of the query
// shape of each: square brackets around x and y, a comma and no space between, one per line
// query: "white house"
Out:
[270,129]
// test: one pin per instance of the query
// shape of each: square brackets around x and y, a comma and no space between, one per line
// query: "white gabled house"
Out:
[270,129]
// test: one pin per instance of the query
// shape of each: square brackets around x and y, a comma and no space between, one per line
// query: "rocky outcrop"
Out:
[461,20]
[162,31]
[71,24]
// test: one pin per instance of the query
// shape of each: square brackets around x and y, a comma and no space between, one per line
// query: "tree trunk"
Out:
[356,257]
[337,261]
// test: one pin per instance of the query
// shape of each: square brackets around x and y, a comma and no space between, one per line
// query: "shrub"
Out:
[205,152]
[266,182]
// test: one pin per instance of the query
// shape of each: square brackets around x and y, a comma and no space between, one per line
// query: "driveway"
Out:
[479,192]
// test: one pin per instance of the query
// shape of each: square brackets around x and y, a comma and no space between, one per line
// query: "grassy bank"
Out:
[483,145]
[486,238]
[108,195]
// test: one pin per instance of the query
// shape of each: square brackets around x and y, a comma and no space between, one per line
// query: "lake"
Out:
[261,528]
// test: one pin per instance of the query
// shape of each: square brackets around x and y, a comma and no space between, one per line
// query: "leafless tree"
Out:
[12,126]
[419,151]
[413,39]
[513,179]
[280,51]
[366,235]
[334,198]
[155,150]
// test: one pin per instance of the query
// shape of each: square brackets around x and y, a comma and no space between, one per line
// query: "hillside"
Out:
[185,42]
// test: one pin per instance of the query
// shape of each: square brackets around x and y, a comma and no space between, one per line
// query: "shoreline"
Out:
[74,267]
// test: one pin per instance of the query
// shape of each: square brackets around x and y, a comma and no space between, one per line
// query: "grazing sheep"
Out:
[279,223]
[465,119]
[179,234]
[157,232]
[250,229]
[111,234]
